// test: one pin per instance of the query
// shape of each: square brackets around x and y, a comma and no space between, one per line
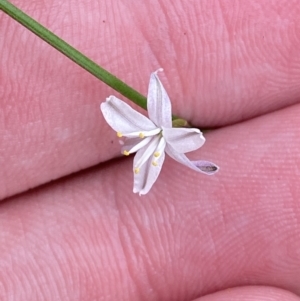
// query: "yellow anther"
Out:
[156,154]
[154,163]
[141,135]
[126,153]
[136,170]
[119,134]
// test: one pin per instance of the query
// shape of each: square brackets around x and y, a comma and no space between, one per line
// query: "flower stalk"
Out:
[73,54]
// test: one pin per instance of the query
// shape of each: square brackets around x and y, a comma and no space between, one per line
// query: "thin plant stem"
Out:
[73,54]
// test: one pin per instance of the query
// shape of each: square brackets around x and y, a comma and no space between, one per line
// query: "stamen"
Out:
[143,134]
[136,170]
[119,134]
[148,153]
[154,163]
[126,153]
[160,147]
[141,144]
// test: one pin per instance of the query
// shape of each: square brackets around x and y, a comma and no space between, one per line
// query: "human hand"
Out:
[87,236]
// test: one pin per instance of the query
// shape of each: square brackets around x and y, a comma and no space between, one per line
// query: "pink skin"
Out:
[87,236]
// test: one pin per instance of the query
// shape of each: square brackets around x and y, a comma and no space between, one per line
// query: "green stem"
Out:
[73,54]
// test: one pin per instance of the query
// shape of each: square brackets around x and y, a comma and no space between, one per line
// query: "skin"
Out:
[234,65]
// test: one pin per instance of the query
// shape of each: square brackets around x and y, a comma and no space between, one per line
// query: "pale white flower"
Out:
[152,137]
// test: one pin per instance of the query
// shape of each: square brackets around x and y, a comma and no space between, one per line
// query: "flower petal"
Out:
[199,166]
[183,140]
[148,174]
[124,119]
[158,102]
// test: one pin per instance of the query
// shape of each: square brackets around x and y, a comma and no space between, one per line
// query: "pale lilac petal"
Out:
[183,140]
[139,179]
[141,176]
[148,174]
[199,166]
[158,102]
[124,119]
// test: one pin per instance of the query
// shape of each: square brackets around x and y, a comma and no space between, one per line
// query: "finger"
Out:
[215,62]
[90,236]
[251,293]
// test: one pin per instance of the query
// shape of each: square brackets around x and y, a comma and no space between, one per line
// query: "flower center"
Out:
[145,140]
